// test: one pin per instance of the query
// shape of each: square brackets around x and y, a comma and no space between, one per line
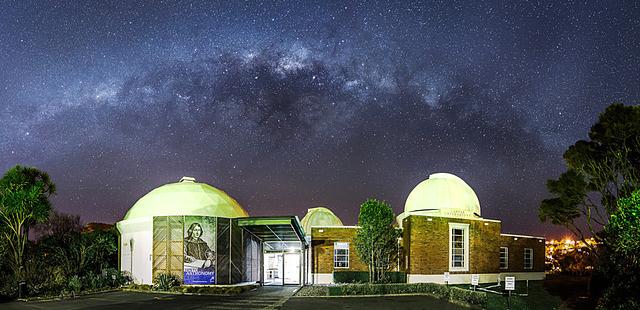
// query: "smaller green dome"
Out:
[321,217]
[186,197]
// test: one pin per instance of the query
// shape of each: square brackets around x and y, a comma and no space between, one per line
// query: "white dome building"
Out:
[442,195]
[183,198]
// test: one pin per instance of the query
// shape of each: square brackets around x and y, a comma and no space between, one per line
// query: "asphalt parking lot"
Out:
[263,298]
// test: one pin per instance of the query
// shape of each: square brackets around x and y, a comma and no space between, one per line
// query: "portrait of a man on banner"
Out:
[199,250]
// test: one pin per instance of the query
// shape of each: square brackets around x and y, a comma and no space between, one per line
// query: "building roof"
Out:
[442,194]
[279,233]
[186,197]
[319,216]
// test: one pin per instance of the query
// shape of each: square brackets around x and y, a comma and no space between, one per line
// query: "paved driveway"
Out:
[264,297]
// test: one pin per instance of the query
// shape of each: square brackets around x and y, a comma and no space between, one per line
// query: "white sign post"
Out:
[509,285]
[474,280]
[446,278]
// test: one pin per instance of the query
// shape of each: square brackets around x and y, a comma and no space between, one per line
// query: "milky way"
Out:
[290,105]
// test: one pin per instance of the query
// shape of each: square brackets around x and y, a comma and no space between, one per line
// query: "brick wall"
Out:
[426,245]
[516,245]
[322,240]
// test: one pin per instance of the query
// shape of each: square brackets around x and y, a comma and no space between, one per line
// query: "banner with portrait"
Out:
[199,250]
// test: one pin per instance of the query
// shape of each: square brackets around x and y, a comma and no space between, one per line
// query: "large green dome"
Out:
[186,197]
[320,217]
[442,194]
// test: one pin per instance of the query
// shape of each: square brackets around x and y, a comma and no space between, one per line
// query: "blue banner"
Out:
[199,277]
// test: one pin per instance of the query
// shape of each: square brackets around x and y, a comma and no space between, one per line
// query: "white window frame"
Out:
[530,259]
[506,258]
[465,248]
[340,246]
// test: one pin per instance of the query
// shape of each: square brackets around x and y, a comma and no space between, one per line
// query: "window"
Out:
[341,255]
[458,247]
[504,258]
[528,258]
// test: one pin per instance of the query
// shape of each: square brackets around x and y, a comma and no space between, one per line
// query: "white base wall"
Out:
[322,278]
[521,276]
[137,260]
[466,278]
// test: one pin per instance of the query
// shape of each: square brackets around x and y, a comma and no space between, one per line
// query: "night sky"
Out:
[289,105]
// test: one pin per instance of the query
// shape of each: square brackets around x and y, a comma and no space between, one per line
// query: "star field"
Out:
[289,105]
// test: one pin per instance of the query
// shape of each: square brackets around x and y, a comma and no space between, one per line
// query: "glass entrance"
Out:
[281,268]
[292,268]
[273,269]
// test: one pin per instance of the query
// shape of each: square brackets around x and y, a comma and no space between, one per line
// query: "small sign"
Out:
[510,283]
[446,277]
[474,279]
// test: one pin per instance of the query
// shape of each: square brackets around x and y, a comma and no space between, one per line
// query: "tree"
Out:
[622,244]
[599,172]
[24,200]
[377,240]
[59,225]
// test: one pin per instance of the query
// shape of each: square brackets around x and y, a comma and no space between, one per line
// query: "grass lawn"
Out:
[539,298]
[556,292]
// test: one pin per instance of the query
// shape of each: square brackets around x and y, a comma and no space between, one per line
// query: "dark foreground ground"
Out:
[572,290]
[557,292]
[259,300]
[369,303]
[266,297]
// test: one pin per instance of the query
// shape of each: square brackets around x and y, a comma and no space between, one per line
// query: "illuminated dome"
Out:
[319,216]
[442,194]
[186,197]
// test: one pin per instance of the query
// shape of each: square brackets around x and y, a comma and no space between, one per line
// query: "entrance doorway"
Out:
[292,268]
[281,268]
[273,269]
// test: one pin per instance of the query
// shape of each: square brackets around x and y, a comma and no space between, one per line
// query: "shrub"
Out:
[437,290]
[116,278]
[363,277]
[213,290]
[141,287]
[74,284]
[433,289]
[467,296]
[92,282]
[8,286]
[165,281]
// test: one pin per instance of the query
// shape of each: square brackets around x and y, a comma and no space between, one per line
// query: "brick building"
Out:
[202,235]
[442,231]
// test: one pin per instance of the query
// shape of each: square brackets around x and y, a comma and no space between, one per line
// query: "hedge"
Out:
[363,277]
[436,290]
[204,290]
[467,296]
